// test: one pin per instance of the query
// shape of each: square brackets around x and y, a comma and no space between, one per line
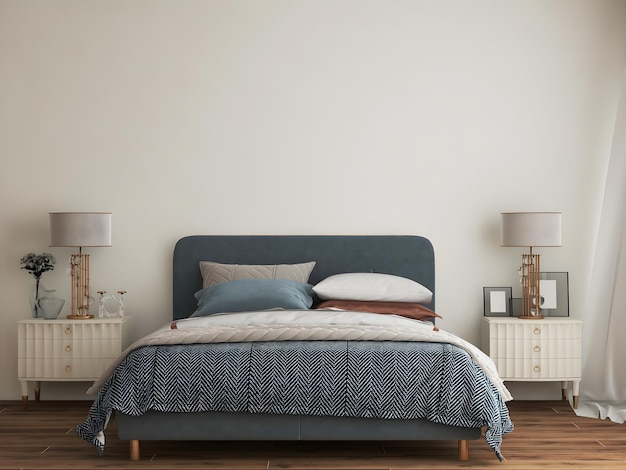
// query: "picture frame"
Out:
[516,306]
[497,301]
[554,289]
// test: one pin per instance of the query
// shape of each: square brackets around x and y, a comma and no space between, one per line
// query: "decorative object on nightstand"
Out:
[111,305]
[547,350]
[80,229]
[555,294]
[497,301]
[50,305]
[531,229]
[37,265]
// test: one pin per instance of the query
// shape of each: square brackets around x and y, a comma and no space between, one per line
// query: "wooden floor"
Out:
[547,435]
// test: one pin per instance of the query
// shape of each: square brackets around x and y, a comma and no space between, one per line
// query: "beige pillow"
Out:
[215,273]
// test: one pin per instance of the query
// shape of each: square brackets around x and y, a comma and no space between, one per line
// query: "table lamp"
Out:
[80,229]
[531,229]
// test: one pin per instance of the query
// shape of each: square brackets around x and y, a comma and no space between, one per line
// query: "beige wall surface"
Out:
[302,117]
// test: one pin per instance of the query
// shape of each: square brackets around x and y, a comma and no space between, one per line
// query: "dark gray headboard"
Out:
[408,256]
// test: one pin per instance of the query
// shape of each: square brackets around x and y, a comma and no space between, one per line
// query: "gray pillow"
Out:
[215,273]
[249,295]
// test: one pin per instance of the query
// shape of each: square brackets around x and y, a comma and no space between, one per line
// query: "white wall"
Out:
[301,117]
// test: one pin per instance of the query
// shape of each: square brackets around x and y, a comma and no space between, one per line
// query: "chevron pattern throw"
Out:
[369,379]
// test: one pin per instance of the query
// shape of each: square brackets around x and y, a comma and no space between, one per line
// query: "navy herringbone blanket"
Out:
[369,379]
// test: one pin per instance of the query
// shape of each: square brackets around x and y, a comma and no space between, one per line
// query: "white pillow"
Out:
[372,287]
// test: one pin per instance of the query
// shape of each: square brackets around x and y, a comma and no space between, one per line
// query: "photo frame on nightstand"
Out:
[516,306]
[554,289]
[497,301]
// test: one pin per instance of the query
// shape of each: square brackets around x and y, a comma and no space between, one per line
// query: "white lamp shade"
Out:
[80,229]
[531,229]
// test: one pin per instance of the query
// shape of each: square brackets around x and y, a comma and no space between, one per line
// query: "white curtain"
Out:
[603,386]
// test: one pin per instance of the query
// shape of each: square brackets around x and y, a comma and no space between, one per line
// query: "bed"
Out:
[280,373]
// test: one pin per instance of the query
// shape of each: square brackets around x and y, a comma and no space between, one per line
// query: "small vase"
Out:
[50,305]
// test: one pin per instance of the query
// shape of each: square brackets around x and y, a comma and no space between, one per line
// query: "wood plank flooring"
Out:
[547,435]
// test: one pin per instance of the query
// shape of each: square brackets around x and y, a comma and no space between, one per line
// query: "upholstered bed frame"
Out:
[407,256]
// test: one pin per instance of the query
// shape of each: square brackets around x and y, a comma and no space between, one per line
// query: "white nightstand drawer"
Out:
[529,368]
[60,369]
[542,349]
[531,330]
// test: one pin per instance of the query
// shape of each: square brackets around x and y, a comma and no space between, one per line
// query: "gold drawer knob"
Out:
[537,369]
[68,348]
[68,331]
[68,368]
[537,331]
[537,348]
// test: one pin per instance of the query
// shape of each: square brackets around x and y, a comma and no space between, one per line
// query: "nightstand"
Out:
[67,350]
[547,350]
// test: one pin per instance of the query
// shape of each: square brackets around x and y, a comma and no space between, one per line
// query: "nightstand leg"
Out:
[37,390]
[575,390]
[24,387]
[564,391]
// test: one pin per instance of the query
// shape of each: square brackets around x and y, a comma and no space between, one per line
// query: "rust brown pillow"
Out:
[405,309]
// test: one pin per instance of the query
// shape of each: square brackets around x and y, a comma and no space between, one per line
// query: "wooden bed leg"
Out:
[463,450]
[134,449]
